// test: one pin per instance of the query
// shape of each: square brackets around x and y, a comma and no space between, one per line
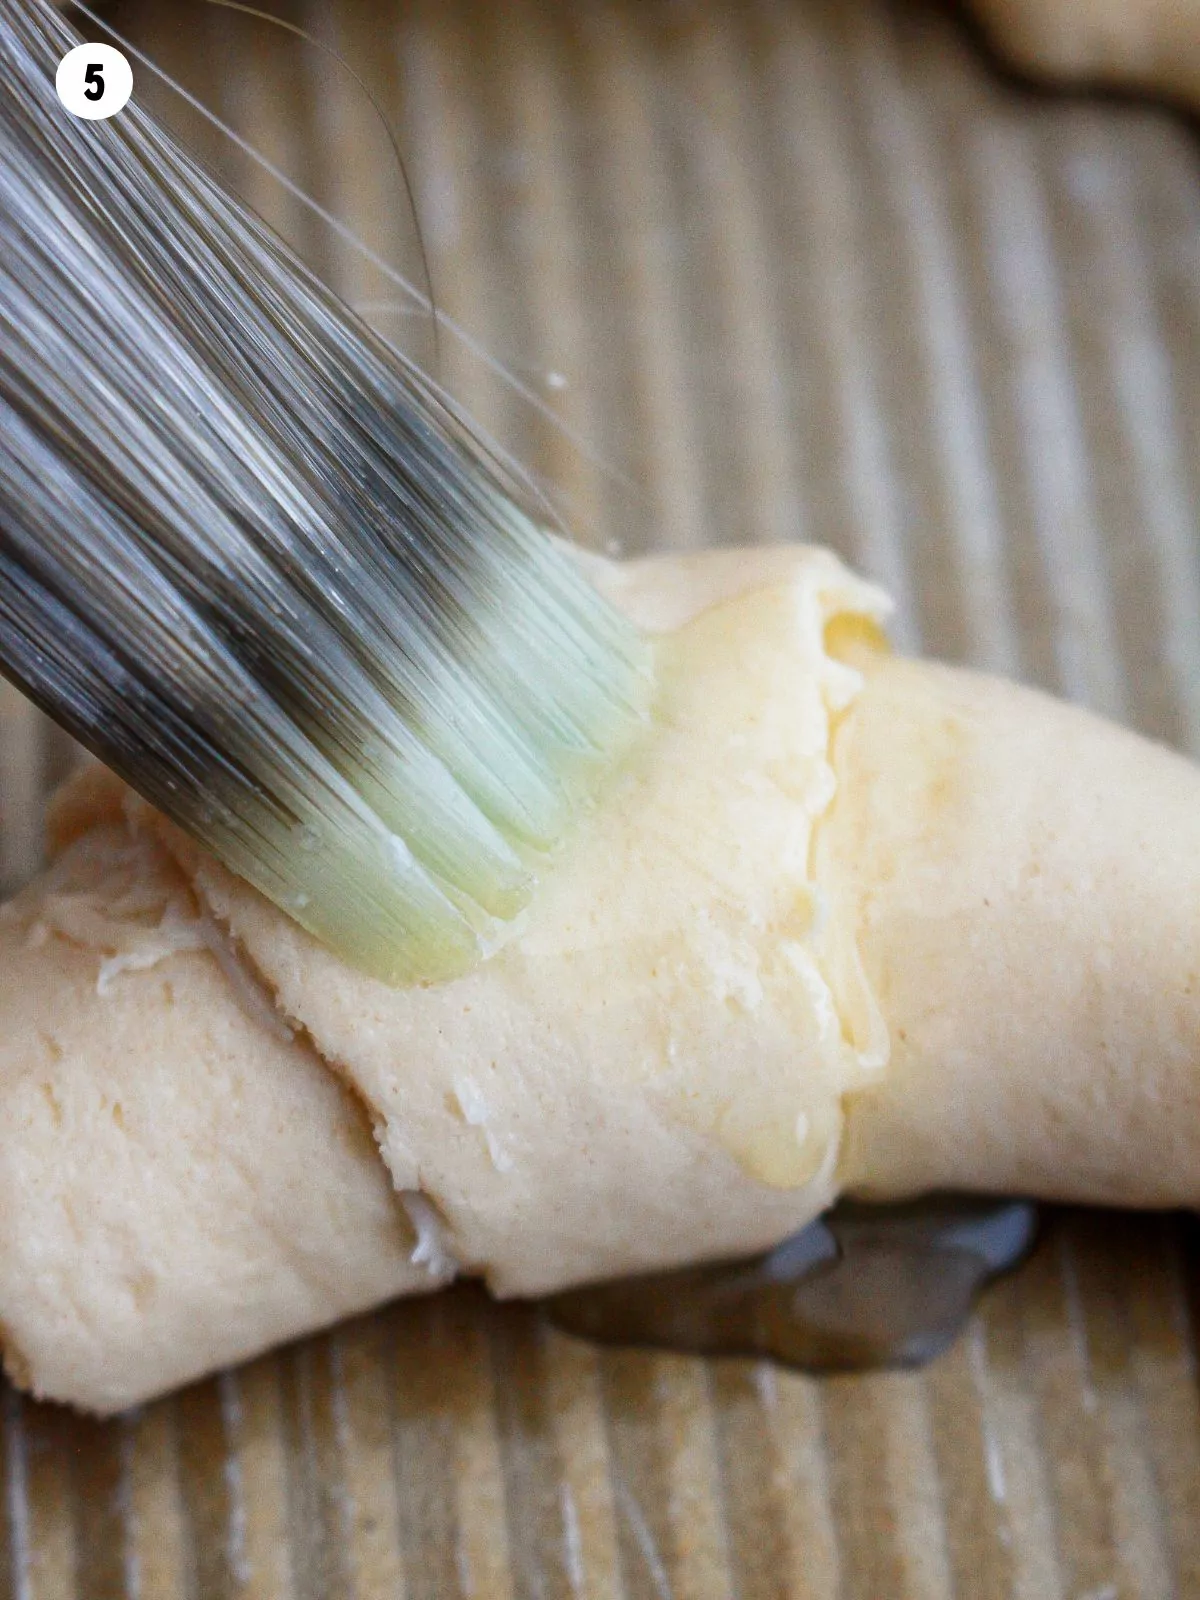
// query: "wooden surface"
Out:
[792,269]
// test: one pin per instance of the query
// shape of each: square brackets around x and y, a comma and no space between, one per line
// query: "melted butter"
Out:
[863,1286]
[714,928]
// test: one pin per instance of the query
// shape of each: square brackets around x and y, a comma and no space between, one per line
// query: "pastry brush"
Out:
[254,561]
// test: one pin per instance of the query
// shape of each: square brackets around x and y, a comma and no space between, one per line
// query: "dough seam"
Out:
[445,1262]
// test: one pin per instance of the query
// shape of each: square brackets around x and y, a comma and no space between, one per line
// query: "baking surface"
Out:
[790,269]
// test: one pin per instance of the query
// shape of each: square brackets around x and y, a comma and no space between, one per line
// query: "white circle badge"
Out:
[94,81]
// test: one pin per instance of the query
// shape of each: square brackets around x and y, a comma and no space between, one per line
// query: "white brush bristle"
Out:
[251,560]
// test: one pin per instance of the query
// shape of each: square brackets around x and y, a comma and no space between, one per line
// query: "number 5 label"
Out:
[94,81]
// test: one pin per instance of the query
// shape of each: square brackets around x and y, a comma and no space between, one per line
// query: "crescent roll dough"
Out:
[841,921]
[1145,44]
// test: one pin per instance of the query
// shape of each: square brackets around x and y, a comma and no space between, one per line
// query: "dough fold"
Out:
[654,1068]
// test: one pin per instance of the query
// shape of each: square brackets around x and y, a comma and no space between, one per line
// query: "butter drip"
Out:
[864,1286]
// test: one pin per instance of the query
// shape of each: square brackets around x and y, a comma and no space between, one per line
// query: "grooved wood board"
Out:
[788,269]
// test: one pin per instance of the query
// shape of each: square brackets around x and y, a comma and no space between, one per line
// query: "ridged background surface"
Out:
[792,269]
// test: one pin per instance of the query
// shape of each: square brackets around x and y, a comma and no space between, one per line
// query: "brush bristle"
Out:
[250,560]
